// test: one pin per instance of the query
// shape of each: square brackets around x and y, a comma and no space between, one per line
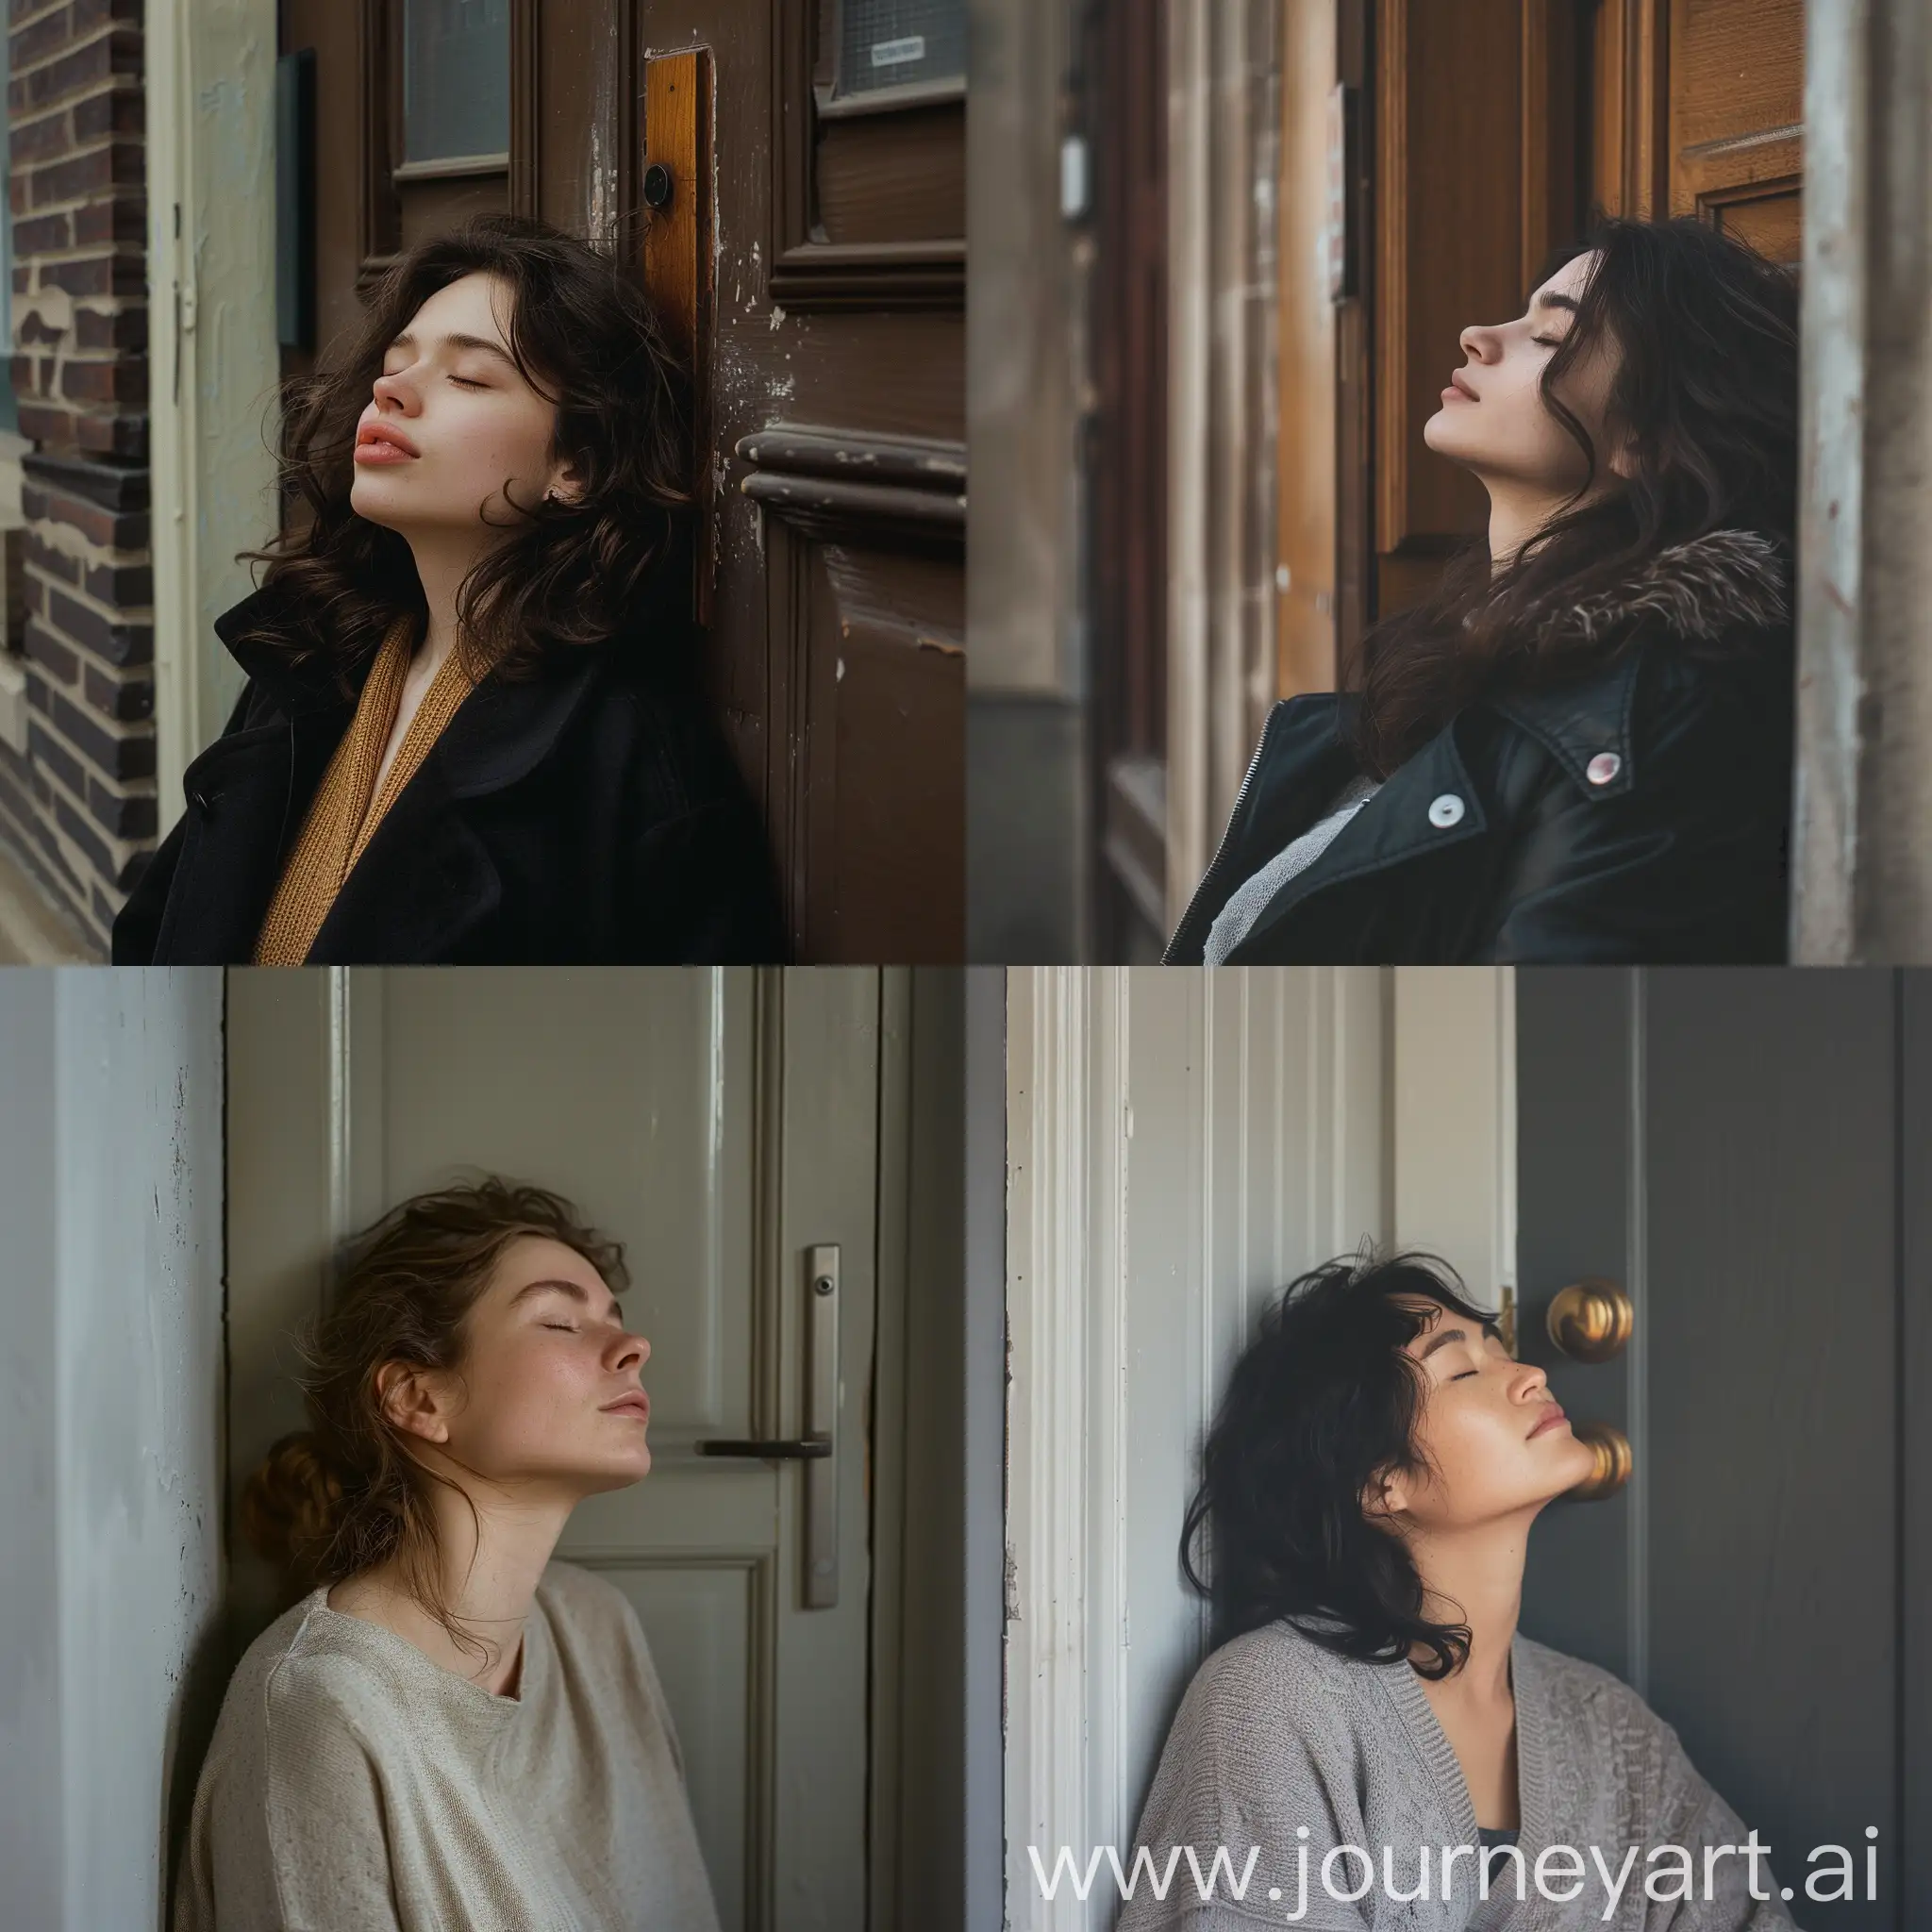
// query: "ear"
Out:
[566,485]
[409,1404]
[1386,1496]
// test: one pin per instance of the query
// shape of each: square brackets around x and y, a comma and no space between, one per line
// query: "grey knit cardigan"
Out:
[1282,1745]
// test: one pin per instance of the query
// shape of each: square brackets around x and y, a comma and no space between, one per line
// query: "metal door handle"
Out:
[1615,1461]
[1591,1321]
[817,1448]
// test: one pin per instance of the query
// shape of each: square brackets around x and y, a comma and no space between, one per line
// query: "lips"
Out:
[637,1403]
[1550,1421]
[382,443]
[1457,386]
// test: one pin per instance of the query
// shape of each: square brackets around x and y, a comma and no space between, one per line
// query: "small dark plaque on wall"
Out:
[900,48]
[295,199]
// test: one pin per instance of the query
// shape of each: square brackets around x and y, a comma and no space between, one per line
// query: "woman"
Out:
[450,1729]
[1578,746]
[1368,1490]
[471,730]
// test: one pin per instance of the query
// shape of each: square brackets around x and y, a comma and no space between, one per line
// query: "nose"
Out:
[1479,341]
[396,389]
[1530,1381]
[634,1348]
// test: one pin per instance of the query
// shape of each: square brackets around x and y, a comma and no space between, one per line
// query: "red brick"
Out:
[127,699]
[27,46]
[122,814]
[129,585]
[122,219]
[45,235]
[33,329]
[100,275]
[86,67]
[129,755]
[44,649]
[124,530]
[126,328]
[40,140]
[89,14]
[43,556]
[124,110]
[121,164]
[118,644]
[123,439]
[121,380]
[45,749]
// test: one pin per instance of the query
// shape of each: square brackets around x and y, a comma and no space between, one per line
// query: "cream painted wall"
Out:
[110,1193]
[215,361]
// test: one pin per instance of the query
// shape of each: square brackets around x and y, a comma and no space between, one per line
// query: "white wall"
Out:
[110,1192]
[1180,1144]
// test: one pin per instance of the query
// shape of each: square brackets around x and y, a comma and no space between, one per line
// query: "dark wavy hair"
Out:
[1706,335]
[1323,1401]
[586,337]
[346,1493]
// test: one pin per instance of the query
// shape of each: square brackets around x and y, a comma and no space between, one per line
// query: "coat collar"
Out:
[501,733]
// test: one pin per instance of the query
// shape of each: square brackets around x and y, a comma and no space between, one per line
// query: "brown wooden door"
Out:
[831,353]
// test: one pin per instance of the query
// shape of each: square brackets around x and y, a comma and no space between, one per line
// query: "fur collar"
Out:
[1715,583]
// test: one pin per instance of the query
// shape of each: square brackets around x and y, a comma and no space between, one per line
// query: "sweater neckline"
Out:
[378,1639]
[1439,1755]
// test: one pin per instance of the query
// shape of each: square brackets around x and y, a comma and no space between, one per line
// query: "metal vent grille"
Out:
[895,43]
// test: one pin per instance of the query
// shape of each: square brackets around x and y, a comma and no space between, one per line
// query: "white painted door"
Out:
[724,1125]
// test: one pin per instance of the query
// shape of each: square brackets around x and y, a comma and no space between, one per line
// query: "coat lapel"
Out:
[1404,820]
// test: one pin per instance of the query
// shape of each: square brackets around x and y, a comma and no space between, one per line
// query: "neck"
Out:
[489,1567]
[1517,514]
[441,565]
[1474,1576]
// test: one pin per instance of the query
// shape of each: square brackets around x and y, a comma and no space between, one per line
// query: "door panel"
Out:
[1728,1146]
[720,1124]
[839,310]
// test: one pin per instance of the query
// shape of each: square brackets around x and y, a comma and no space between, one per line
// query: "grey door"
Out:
[1745,1152]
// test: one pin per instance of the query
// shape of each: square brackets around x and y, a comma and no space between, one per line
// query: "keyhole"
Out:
[657,185]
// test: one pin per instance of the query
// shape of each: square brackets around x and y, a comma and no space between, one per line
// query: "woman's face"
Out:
[1492,1438]
[1492,419]
[453,424]
[547,1357]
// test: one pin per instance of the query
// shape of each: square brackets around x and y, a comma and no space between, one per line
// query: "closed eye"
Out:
[1548,342]
[467,382]
[1464,1376]
[566,1327]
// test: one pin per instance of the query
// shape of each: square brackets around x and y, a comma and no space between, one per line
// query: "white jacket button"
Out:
[1603,768]
[1446,811]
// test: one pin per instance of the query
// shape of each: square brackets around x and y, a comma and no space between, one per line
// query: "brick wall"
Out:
[79,808]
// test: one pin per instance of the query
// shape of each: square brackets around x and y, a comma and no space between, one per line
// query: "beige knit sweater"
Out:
[353,1785]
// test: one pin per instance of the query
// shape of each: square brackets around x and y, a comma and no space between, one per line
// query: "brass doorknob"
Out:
[1615,1461]
[1591,1321]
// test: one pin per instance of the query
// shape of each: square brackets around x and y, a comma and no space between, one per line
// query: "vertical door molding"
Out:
[1179,1146]
[1222,146]
[1453,1120]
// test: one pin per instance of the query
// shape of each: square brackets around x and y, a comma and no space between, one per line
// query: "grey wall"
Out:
[110,1192]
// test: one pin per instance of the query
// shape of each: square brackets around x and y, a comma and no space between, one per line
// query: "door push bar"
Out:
[817,1447]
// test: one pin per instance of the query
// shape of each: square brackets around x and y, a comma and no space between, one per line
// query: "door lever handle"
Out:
[817,1447]
[801,1450]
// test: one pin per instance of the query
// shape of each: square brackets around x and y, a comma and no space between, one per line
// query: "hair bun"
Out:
[291,1504]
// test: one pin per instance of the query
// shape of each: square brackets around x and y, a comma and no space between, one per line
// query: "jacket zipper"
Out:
[1226,835]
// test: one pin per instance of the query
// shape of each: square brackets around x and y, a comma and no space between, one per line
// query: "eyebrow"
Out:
[1449,1335]
[406,341]
[1555,302]
[576,1289]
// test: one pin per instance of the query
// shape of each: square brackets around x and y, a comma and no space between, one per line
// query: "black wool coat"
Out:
[1636,814]
[590,814]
